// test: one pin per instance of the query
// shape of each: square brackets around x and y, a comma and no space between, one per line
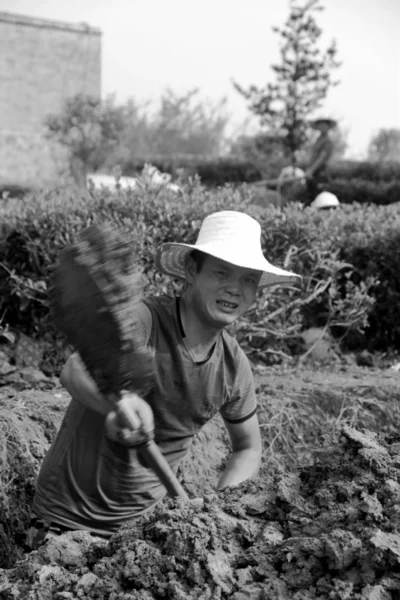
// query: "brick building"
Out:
[42,63]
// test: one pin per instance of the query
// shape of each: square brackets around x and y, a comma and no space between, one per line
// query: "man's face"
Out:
[221,292]
[322,127]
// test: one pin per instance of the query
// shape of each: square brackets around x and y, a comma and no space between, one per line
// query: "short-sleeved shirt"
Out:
[88,481]
[324,145]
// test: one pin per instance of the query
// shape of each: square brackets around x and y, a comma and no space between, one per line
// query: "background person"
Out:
[321,153]
[325,201]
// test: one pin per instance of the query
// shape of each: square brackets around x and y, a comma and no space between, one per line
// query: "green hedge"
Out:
[364,191]
[367,171]
[348,259]
[217,171]
[351,181]
[212,172]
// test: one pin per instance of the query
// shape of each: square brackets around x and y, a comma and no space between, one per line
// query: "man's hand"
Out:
[131,422]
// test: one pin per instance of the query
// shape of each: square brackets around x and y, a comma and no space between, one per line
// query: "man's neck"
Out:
[199,335]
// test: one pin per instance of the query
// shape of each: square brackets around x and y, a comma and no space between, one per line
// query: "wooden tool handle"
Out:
[152,458]
[277,181]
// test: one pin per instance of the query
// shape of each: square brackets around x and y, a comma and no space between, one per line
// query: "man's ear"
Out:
[190,268]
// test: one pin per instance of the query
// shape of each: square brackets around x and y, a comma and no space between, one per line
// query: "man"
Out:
[321,153]
[91,478]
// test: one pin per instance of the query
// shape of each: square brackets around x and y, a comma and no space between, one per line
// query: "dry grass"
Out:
[293,425]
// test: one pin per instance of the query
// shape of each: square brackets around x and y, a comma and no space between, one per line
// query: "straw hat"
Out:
[230,236]
[325,200]
[330,122]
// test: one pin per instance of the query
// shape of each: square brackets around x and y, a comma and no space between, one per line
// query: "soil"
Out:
[320,521]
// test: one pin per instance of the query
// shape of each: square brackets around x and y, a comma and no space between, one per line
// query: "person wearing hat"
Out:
[91,478]
[321,153]
[325,201]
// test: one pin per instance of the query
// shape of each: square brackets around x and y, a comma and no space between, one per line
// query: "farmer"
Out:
[321,153]
[91,478]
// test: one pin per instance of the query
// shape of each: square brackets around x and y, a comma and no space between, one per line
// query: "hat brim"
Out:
[331,122]
[171,256]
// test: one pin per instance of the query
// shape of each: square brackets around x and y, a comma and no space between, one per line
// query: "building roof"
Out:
[6,17]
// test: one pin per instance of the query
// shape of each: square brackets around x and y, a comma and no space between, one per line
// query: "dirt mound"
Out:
[327,532]
[343,504]
[28,423]
[29,420]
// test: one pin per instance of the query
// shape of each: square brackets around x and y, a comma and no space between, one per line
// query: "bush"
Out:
[232,169]
[364,191]
[215,172]
[368,238]
[351,181]
[373,247]
[368,171]
[341,256]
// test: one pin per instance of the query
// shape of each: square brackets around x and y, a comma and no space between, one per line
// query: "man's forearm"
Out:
[242,465]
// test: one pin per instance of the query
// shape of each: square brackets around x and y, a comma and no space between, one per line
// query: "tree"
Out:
[263,150]
[99,134]
[385,146]
[303,78]
[185,124]
[136,139]
[89,129]
[177,125]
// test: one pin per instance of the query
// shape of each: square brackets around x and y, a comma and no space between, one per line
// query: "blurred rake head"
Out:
[95,289]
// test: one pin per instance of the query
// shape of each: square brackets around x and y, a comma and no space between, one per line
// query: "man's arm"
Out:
[77,380]
[82,388]
[79,384]
[245,459]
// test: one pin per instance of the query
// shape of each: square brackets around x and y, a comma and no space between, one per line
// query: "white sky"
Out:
[149,45]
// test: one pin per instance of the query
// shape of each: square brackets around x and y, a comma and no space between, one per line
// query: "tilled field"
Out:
[328,529]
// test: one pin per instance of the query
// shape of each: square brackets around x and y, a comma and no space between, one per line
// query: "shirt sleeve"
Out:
[328,148]
[243,402]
